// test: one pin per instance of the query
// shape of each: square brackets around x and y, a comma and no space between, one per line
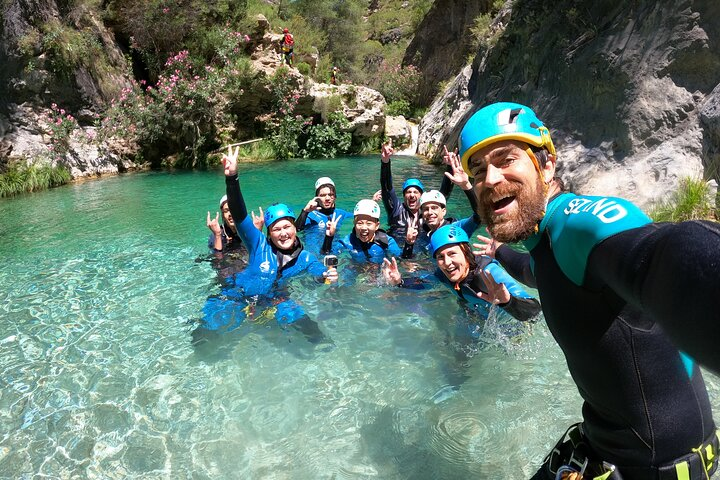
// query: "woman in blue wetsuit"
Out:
[480,281]
[272,259]
[321,208]
[367,242]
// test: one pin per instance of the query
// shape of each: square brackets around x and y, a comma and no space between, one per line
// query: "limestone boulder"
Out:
[399,131]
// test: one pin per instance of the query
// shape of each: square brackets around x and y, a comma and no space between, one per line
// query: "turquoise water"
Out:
[102,284]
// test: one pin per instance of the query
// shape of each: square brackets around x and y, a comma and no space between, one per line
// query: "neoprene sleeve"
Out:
[671,271]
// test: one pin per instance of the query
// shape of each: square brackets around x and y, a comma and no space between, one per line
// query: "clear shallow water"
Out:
[102,284]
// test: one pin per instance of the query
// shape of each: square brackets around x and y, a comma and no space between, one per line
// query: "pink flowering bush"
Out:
[397,83]
[183,112]
[60,126]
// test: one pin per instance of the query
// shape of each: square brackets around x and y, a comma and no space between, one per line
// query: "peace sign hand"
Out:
[390,271]
[229,161]
[411,233]
[331,225]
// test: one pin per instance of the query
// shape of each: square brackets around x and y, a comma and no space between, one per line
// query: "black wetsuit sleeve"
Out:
[446,187]
[672,271]
[327,245]
[389,197]
[523,309]
[236,202]
[517,264]
[407,251]
[472,200]
[300,220]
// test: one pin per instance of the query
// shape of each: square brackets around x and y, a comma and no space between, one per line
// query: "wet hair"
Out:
[469,255]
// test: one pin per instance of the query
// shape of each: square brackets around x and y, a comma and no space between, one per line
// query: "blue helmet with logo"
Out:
[413,182]
[447,235]
[276,212]
[502,121]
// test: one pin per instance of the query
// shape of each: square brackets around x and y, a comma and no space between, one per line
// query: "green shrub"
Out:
[303,68]
[69,48]
[692,201]
[330,139]
[262,150]
[41,175]
[398,107]
[367,146]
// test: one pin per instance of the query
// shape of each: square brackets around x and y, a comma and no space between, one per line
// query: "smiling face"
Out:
[453,263]
[511,194]
[365,227]
[282,234]
[327,197]
[433,214]
[412,198]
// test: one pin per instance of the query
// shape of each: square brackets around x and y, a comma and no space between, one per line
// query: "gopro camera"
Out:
[330,261]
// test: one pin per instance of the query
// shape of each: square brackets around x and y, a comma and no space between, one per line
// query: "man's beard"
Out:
[519,224]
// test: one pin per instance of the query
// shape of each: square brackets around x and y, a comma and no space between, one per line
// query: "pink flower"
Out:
[166,10]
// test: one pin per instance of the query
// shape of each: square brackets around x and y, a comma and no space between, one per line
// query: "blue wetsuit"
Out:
[522,305]
[267,268]
[314,222]
[605,274]
[382,246]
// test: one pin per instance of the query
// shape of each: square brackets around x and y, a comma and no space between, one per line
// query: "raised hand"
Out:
[313,204]
[386,151]
[390,271]
[497,292]
[258,220]
[411,233]
[331,225]
[229,161]
[487,246]
[377,196]
[213,224]
[458,175]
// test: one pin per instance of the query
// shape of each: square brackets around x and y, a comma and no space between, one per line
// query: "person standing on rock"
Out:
[287,45]
[618,293]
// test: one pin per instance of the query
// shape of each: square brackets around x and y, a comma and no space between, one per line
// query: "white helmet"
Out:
[367,207]
[323,181]
[223,200]
[433,196]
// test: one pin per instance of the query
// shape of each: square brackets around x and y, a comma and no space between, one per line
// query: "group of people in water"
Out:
[631,303]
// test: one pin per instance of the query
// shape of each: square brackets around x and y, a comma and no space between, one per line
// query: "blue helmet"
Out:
[276,212]
[413,182]
[502,121]
[447,235]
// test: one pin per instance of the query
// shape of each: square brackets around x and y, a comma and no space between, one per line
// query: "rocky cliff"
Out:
[625,87]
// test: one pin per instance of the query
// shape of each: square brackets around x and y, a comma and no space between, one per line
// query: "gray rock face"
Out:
[27,92]
[621,89]
[442,42]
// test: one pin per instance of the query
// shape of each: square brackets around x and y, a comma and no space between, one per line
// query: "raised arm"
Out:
[389,197]
[671,271]
[250,235]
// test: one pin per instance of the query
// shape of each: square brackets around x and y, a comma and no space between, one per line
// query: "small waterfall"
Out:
[412,149]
